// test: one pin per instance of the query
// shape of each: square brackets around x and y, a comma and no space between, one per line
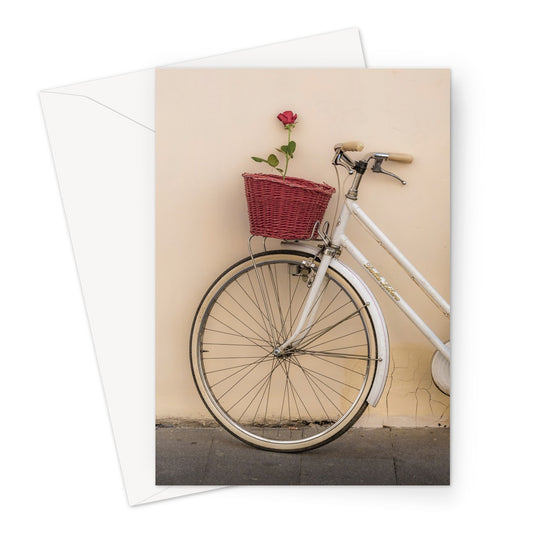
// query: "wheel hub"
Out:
[285,353]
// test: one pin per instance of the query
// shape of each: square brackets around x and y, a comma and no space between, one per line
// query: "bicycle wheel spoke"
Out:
[326,360]
[315,379]
[247,312]
[231,334]
[265,383]
[246,365]
[315,372]
[220,357]
[244,336]
[255,301]
[322,332]
[267,377]
[324,318]
[335,354]
[297,314]
[288,314]
[294,393]
[277,337]
[266,346]
[320,317]
[284,396]
[311,386]
[266,320]
[267,387]
[262,289]
[296,397]
[274,366]
[275,284]
[253,366]
[289,310]
[339,337]
[240,321]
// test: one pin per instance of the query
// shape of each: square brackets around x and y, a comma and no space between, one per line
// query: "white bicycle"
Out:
[288,347]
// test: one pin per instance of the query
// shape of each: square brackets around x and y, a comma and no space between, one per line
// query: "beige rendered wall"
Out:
[210,121]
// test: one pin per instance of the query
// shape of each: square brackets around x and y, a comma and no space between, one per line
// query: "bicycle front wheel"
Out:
[316,389]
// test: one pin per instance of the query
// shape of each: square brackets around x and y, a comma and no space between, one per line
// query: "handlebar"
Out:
[359,167]
[401,158]
[352,146]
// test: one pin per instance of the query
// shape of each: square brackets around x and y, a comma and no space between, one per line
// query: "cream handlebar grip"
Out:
[352,146]
[401,158]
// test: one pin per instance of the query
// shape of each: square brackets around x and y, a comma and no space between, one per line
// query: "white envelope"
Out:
[102,135]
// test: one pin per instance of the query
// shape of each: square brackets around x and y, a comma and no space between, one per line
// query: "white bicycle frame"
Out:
[338,240]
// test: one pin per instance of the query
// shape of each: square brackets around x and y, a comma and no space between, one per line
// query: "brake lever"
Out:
[377,168]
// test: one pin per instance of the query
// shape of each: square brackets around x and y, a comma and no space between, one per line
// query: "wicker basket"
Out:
[284,208]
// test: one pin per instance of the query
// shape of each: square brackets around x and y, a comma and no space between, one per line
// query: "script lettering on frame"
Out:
[382,281]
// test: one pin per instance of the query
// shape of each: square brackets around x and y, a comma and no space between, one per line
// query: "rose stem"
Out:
[287,155]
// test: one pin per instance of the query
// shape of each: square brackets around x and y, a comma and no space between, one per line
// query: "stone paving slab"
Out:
[383,456]
[418,456]
[234,463]
[182,455]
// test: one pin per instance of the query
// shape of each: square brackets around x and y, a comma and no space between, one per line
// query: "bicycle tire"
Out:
[305,398]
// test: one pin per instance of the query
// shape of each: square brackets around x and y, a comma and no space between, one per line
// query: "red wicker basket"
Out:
[284,208]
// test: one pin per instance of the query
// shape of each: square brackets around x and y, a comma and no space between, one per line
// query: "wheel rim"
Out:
[303,397]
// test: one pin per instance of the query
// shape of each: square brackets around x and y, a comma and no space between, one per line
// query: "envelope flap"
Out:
[131,95]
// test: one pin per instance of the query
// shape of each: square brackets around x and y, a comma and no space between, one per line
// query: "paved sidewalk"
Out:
[384,456]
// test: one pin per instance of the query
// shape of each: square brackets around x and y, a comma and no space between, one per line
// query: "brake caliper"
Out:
[307,271]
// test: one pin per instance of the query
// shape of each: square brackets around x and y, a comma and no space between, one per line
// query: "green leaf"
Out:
[292,147]
[273,160]
[285,149]
[259,159]
[280,170]
[279,150]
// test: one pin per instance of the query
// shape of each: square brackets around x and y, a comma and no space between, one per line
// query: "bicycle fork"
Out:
[310,309]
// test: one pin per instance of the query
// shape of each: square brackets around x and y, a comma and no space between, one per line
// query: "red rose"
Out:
[287,117]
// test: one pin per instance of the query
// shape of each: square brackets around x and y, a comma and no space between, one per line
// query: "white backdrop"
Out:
[58,464]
